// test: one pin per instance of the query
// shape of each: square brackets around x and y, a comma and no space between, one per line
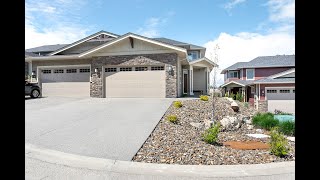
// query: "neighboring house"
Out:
[267,82]
[109,65]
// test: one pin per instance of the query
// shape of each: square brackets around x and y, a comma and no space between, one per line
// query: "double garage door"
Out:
[281,99]
[65,81]
[135,81]
[127,82]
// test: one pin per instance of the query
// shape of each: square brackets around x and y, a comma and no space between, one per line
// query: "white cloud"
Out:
[45,22]
[231,4]
[245,46]
[153,25]
[281,10]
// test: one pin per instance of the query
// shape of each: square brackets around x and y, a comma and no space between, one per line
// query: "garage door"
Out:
[64,81]
[281,99]
[147,81]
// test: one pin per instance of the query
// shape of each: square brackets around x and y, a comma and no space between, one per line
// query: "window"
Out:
[58,71]
[126,69]
[193,55]
[293,91]
[252,90]
[46,71]
[250,74]
[71,70]
[141,68]
[84,70]
[284,91]
[233,74]
[157,68]
[110,70]
[271,91]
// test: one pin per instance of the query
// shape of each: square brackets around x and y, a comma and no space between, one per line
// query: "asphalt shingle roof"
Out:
[175,43]
[271,80]
[26,54]
[46,48]
[265,61]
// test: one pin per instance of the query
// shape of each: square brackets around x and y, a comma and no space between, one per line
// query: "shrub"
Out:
[239,97]
[278,144]
[278,112]
[265,120]
[204,98]
[172,118]
[177,104]
[210,136]
[287,128]
[231,95]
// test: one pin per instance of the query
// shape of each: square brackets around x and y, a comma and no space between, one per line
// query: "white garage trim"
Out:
[160,91]
[75,84]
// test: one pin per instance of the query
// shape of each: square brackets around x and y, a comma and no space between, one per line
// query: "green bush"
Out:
[204,98]
[239,97]
[278,144]
[287,128]
[177,104]
[265,120]
[231,95]
[210,136]
[172,118]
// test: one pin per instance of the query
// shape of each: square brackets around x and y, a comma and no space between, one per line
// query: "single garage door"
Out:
[147,81]
[65,81]
[282,99]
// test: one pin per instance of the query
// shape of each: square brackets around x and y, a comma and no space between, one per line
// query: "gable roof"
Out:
[264,61]
[133,36]
[83,40]
[177,43]
[238,82]
[46,48]
[30,54]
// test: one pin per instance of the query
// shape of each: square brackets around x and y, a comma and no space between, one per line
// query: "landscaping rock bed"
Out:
[181,143]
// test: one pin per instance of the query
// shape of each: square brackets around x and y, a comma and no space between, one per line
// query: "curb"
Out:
[280,170]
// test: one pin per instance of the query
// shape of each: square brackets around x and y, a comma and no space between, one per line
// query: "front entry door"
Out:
[185,83]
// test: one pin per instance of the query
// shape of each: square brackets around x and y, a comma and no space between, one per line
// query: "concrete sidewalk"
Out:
[50,164]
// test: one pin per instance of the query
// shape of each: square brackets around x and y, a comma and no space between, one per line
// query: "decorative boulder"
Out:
[230,123]
[207,124]
[235,106]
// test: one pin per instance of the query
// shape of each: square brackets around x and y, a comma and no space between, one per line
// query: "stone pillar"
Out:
[262,105]
[96,86]
[191,80]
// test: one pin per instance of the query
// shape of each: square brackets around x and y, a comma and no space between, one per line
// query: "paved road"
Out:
[96,127]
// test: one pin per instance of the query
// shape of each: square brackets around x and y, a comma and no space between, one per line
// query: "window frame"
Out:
[232,72]
[84,70]
[284,91]
[69,71]
[58,71]
[192,53]
[141,68]
[157,68]
[45,71]
[253,74]
[110,69]
[126,69]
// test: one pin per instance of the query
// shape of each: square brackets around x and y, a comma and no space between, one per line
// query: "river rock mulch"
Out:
[181,143]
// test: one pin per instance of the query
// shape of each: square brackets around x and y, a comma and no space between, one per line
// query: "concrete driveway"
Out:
[113,128]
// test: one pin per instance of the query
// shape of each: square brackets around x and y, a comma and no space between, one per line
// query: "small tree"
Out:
[214,57]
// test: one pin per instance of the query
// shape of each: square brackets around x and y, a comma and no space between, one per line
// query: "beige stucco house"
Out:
[109,65]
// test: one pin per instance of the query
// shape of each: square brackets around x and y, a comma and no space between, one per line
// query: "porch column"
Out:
[243,89]
[208,81]
[30,68]
[191,79]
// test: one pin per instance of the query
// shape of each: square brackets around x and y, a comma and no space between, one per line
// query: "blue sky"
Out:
[263,26]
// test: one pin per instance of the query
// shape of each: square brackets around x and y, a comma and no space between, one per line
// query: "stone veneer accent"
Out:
[262,105]
[96,87]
